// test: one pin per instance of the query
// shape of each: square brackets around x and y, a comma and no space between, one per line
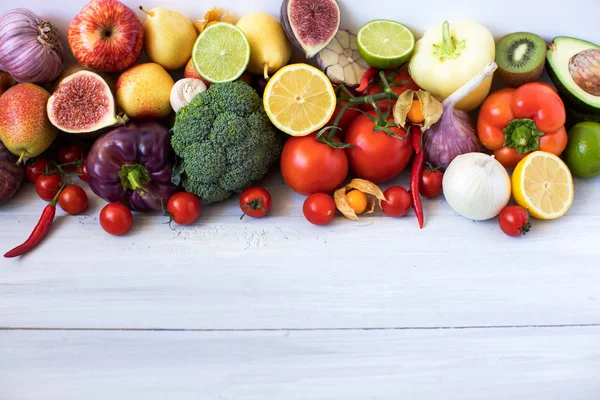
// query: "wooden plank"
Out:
[467,364]
[281,272]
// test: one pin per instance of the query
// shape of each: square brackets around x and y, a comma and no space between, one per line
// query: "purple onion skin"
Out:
[453,135]
[31,50]
[11,174]
[147,144]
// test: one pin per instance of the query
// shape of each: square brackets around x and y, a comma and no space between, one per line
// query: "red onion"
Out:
[30,49]
[454,133]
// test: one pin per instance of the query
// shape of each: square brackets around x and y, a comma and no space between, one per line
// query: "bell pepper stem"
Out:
[448,46]
[135,177]
[522,135]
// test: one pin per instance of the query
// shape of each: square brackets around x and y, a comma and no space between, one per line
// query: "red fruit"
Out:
[309,166]
[116,219]
[106,35]
[190,72]
[319,208]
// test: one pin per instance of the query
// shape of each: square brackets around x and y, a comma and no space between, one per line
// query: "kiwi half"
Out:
[521,57]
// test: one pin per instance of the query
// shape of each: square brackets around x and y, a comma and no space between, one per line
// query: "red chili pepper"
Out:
[39,232]
[366,79]
[416,172]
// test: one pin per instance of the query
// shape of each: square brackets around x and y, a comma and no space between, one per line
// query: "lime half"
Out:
[221,52]
[385,44]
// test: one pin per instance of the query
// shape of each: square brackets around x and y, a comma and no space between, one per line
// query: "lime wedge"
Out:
[221,52]
[385,44]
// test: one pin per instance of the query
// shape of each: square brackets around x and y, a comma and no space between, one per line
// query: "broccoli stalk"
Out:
[224,141]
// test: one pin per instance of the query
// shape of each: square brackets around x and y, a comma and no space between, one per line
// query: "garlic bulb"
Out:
[184,91]
[31,49]
[476,186]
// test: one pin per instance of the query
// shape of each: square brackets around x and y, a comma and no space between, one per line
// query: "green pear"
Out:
[169,37]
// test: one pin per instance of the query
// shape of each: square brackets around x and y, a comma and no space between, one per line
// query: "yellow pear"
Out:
[144,92]
[168,37]
[270,49]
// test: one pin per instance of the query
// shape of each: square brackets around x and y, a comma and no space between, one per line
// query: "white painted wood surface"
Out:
[281,309]
[471,364]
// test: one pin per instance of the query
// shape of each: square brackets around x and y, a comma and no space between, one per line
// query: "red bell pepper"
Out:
[514,122]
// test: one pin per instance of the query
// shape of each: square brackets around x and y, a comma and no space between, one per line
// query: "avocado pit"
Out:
[584,68]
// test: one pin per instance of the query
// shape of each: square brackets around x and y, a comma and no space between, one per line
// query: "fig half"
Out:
[82,103]
[310,24]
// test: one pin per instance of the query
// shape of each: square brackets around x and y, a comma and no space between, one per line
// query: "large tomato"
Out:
[400,75]
[377,156]
[309,166]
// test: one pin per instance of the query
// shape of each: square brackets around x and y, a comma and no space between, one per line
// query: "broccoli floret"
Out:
[225,141]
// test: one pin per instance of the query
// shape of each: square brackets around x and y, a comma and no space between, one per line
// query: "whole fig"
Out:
[11,174]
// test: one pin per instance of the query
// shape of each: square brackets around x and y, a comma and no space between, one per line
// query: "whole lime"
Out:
[582,154]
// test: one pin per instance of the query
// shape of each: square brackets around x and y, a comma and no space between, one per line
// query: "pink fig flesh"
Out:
[82,103]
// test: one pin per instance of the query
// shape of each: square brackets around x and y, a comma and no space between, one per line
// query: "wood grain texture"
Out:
[282,272]
[469,364]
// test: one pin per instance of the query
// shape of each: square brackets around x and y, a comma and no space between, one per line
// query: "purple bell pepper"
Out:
[133,164]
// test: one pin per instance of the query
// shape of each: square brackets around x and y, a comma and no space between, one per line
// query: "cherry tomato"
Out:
[431,183]
[73,199]
[81,170]
[69,155]
[184,208]
[397,201]
[116,219]
[377,156]
[46,186]
[41,166]
[400,75]
[309,166]
[357,200]
[255,202]
[319,208]
[514,221]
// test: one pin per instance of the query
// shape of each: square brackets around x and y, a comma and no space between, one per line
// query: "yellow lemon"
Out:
[299,99]
[542,183]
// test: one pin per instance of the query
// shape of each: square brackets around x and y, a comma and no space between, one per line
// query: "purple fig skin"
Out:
[147,144]
[11,174]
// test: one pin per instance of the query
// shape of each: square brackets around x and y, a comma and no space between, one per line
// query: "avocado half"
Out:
[559,54]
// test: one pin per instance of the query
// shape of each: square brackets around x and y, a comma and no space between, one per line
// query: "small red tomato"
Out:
[69,155]
[41,166]
[81,170]
[514,221]
[431,182]
[183,208]
[319,208]
[73,199]
[46,186]
[255,202]
[397,201]
[116,219]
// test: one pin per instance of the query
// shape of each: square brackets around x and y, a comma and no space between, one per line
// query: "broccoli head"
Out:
[224,141]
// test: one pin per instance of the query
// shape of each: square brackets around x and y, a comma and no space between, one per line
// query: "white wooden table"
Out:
[279,309]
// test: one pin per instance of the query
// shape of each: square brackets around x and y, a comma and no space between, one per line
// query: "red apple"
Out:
[106,36]
[190,72]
